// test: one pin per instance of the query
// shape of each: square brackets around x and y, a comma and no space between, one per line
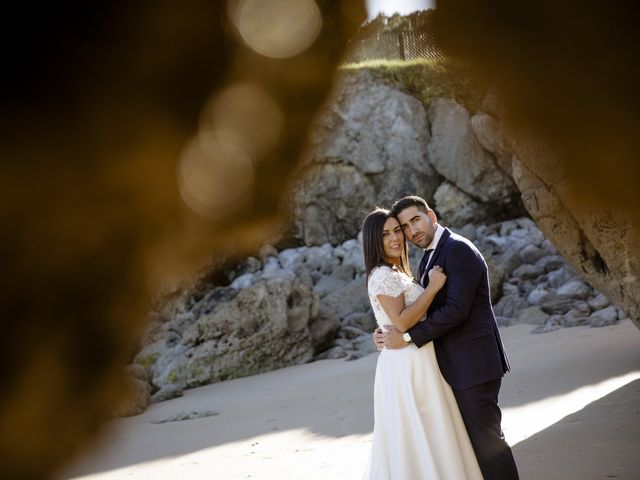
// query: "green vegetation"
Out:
[427,79]
[148,361]
[424,79]
[173,376]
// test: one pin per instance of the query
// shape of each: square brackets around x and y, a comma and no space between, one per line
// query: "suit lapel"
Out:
[445,236]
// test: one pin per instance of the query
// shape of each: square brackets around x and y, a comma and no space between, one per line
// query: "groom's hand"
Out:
[378,339]
[392,338]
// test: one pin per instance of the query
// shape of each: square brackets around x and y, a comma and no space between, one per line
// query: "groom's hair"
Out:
[409,201]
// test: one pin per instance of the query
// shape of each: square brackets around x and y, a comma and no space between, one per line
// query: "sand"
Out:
[571,410]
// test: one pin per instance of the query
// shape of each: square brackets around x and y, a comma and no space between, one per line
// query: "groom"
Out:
[462,326]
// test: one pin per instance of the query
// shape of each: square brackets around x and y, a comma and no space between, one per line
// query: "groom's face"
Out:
[418,227]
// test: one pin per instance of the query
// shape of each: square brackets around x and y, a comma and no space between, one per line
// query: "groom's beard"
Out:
[423,243]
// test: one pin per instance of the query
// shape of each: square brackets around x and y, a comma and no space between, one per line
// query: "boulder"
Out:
[604,317]
[456,154]
[456,207]
[531,254]
[260,328]
[167,392]
[363,321]
[487,130]
[532,315]
[576,289]
[137,399]
[510,306]
[599,302]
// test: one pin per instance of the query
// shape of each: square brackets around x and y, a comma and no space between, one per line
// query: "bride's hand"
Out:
[437,278]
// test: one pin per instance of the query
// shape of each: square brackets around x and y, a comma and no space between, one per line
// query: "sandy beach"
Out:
[571,410]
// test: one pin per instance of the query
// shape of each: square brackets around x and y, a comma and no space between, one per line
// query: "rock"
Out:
[324,329]
[602,245]
[137,399]
[292,258]
[457,155]
[575,289]
[261,328]
[271,265]
[559,277]
[344,272]
[368,132]
[496,278]
[350,333]
[456,207]
[321,259]
[363,321]
[559,304]
[468,231]
[503,321]
[243,281]
[492,102]
[604,317]
[551,263]
[328,284]
[332,354]
[351,298]
[351,254]
[599,302]
[267,252]
[553,323]
[182,416]
[579,315]
[136,370]
[364,346]
[531,254]
[167,393]
[509,288]
[538,296]
[532,315]
[488,133]
[510,306]
[528,272]
[252,265]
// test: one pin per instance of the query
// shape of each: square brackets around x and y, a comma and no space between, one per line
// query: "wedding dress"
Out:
[418,430]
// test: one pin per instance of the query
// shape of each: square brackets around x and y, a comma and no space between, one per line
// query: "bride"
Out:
[418,430]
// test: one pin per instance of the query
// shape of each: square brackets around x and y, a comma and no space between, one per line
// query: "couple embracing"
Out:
[436,413]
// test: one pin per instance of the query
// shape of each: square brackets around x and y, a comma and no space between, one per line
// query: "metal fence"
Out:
[394,46]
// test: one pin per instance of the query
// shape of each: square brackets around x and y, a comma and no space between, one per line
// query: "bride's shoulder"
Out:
[388,273]
[382,271]
[387,281]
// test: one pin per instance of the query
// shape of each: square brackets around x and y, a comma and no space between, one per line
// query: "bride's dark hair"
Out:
[372,245]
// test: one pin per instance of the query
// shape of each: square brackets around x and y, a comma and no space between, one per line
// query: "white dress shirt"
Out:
[432,246]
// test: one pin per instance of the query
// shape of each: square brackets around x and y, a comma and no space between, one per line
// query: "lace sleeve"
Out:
[385,281]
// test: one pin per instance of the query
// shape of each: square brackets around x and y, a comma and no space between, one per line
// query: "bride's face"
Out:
[392,239]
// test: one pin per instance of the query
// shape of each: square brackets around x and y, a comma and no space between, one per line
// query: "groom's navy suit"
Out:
[462,325]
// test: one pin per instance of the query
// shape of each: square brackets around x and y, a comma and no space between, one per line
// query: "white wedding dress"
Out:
[418,430]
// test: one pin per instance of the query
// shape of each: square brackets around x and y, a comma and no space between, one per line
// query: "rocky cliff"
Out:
[372,144]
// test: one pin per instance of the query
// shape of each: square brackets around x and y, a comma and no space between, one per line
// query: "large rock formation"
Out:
[231,332]
[373,144]
[457,155]
[278,310]
[368,148]
[602,245]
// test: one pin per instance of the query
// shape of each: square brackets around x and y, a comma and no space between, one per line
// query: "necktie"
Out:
[423,264]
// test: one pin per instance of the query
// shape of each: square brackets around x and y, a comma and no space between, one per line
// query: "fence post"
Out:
[401,45]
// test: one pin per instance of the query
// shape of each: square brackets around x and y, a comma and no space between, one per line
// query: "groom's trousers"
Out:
[481,414]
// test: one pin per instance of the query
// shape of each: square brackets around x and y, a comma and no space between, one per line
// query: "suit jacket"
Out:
[460,320]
